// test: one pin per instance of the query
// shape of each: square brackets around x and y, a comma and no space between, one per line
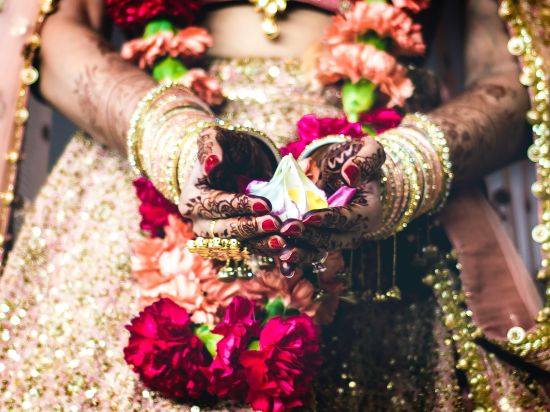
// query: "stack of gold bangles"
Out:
[162,146]
[416,175]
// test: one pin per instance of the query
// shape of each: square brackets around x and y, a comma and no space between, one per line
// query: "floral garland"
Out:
[253,341]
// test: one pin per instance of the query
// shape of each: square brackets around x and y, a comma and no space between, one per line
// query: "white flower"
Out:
[291,193]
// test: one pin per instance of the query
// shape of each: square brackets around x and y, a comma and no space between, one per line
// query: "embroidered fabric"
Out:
[67,290]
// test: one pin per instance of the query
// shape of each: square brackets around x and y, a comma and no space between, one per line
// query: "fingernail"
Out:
[276,243]
[260,207]
[292,230]
[269,225]
[313,220]
[210,163]
[291,257]
[352,173]
[288,270]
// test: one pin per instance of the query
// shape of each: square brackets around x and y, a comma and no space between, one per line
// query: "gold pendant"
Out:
[269,9]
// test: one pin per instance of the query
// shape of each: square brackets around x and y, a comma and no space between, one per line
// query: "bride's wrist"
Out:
[161,126]
[417,174]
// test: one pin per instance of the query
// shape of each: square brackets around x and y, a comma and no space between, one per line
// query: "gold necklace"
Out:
[269,10]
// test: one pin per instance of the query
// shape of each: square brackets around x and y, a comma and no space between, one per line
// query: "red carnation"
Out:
[240,325]
[281,372]
[135,14]
[164,351]
[154,208]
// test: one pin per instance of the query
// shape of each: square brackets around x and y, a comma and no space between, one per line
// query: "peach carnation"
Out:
[164,268]
[363,61]
[382,18]
[206,87]
[147,50]
[190,42]
[413,5]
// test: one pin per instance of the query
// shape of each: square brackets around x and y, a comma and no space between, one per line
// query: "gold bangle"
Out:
[437,138]
[133,135]
[144,109]
[324,141]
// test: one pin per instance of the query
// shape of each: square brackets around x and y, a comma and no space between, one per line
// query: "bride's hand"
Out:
[226,159]
[356,164]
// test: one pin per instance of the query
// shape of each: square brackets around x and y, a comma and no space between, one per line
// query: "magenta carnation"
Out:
[311,127]
[165,353]
[239,326]
[154,208]
[281,372]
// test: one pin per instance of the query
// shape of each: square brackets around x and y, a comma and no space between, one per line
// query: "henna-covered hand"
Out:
[356,163]
[226,160]
[350,163]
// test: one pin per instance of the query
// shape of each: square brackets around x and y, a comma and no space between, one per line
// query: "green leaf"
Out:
[210,340]
[156,26]
[254,345]
[169,69]
[275,307]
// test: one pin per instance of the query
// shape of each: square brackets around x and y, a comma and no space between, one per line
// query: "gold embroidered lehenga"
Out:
[67,292]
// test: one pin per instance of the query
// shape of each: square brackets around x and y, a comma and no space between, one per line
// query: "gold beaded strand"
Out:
[28,76]
[534,76]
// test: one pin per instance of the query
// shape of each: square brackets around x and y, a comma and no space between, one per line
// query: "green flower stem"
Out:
[210,340]
[358,98]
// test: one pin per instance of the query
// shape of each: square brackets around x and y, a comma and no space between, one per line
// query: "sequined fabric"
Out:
[67,293]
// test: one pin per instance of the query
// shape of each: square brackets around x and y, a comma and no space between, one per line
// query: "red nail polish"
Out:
[313,220]
[210,163]
[269,225]
[293,230]
[275,244]
[259,207]
[352,172]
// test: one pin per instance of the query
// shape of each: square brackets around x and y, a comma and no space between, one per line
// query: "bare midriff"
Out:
[237,32]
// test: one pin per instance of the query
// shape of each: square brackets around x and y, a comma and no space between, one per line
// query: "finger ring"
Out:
[319,265]
[212,226]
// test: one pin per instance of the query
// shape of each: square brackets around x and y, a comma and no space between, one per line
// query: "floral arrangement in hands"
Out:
[257,340]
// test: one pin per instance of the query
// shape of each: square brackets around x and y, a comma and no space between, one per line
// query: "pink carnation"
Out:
[281,372]
[206,87]
[165,353]
[382,18]
[413,5]
[363,61]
